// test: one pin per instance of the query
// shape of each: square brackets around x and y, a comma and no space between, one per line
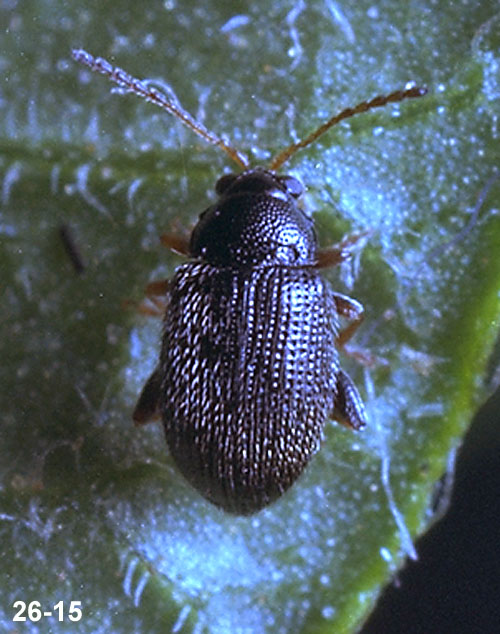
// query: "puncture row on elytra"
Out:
[248,370]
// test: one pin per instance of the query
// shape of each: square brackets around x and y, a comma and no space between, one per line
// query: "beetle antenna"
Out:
[141,89]
[364,106]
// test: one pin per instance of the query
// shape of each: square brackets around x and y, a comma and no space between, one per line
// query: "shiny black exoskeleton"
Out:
[248,371]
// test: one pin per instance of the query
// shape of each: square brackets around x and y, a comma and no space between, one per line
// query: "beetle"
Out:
[248,371]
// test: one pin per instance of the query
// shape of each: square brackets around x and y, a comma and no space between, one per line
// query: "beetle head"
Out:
[256,220]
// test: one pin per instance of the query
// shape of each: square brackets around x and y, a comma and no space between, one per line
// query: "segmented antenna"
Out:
[364,106]
[141,89]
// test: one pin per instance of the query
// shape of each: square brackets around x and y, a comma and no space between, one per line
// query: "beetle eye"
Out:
[293,186]
[224,182]
[286,254]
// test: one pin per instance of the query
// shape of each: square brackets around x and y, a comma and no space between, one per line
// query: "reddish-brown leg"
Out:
[350,309]
[176,242]
[332,256]
[156,301]
[349,409]
[346,306]
[155,304]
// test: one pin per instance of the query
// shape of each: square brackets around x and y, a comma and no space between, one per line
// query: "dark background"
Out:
[455,585]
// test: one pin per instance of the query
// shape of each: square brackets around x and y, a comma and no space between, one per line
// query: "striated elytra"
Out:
[248,372]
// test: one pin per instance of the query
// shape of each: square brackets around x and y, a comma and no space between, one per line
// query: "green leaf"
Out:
[93,510]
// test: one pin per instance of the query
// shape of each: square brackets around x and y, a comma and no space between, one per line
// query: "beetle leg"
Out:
[349,409]
[147,409]
[157,294]
[159,288]
[156,301]
[351,309]
[331,256]
[177,243]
